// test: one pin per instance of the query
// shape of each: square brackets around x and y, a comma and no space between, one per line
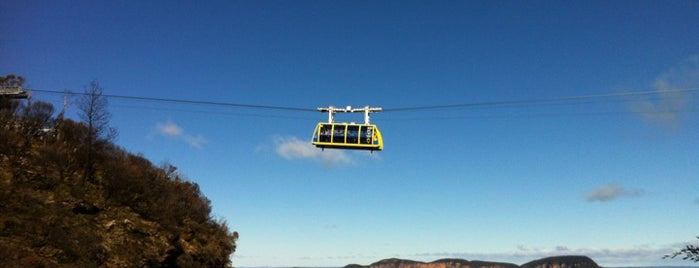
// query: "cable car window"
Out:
[352,134]
[339,134]
[324,133]
[365,135]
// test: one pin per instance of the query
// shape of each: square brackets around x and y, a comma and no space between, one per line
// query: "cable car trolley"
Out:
[13,92]
[348,135]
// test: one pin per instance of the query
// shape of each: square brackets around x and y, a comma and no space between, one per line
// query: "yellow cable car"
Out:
[348,135]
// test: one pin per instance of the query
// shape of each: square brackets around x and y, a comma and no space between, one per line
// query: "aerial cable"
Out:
[401,109]
[534,101]
[251,106]
[211,112]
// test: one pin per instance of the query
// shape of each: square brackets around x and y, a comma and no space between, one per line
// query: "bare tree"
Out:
[93,112]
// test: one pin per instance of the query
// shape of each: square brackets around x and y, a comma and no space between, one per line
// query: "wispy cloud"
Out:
[330,226]
[196,141]
[294,148]
[609,192]
[170,129]
[665,110]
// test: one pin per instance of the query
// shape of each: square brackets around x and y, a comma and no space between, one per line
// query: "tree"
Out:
[11,80]
[690,252]
[37,117]
[93,112]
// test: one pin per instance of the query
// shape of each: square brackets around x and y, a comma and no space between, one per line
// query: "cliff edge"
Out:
[550,262]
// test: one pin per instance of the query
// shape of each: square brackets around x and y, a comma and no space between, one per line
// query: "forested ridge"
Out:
[70,197]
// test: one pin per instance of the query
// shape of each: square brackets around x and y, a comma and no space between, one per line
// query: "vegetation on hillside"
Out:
[70,197]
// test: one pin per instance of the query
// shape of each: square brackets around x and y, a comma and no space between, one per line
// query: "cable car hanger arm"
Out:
[331,110]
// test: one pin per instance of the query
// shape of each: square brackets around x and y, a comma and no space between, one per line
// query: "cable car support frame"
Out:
[14,92]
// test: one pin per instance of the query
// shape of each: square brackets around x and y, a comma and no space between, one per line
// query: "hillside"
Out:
[562,262]
[69,198]
[551,262]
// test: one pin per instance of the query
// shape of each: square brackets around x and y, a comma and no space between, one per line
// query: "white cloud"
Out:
[170,129]
[609,192]
[294,148]
[685,75]
[197,141]
[666,109]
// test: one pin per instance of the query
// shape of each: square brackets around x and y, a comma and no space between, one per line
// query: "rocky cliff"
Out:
[562,262]
[551,262]
[66,204]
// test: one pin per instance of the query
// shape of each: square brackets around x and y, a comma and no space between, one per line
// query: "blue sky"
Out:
[611,178]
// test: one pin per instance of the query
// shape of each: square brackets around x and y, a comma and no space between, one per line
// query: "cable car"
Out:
[14,92]
[348,135]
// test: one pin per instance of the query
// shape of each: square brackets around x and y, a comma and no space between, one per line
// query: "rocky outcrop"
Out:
[119,210]
[562,262]
[551,262]
[397,263]
[487,264]
[442,263]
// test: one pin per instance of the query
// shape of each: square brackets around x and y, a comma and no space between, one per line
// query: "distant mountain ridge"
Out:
[549,262]
[562,262]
